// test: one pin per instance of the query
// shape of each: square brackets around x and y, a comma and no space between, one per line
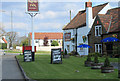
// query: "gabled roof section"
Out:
[115,13]
[49,35]
[105,20]
[80,19]
[110,20]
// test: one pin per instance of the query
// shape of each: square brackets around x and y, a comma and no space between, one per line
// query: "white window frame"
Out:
[98,48]
[98,27]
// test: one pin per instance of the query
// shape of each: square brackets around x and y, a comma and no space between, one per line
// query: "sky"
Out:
[52,17]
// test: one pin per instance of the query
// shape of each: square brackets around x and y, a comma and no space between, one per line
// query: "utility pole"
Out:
[11,29]
[76,41]
[70,15]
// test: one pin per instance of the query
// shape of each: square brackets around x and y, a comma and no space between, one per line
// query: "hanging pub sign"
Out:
[67,36]
[32,6]
[27,55]
[56,57]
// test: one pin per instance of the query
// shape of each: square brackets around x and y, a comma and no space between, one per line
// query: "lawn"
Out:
[42,69]
[18,51]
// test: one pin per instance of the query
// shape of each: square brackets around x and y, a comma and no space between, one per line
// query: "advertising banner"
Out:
[27,56]
[56,57]
[32,6]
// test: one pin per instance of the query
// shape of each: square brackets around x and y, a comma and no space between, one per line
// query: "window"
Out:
[68,48]
[98,30]
[51,41]
[37,41]
[98,48]
[59,41]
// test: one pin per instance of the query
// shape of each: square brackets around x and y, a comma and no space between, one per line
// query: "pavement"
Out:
[10,69]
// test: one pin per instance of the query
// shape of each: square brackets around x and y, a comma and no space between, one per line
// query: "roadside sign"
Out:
[27,48]
[56,57]
[32,6]
[27,56]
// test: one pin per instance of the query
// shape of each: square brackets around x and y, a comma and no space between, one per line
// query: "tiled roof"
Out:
[4,39]
[106,19]
[80,19]
[115,13]
[50,35]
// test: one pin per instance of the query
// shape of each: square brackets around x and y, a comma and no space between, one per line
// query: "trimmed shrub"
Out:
[96,59]
[89,58]
[107,62]
[70,54]
[96,53]
[74,53]
[65,52]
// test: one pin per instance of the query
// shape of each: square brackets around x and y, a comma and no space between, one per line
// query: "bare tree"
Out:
[12,38]
[2,31]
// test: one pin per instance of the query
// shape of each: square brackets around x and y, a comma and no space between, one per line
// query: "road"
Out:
[10,69]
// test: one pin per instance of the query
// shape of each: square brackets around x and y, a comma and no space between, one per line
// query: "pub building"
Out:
[104,26]
[76,31]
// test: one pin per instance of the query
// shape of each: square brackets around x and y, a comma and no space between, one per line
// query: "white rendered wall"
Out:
[70,43]
[82,32]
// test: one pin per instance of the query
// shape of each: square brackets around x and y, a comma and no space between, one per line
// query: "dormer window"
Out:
[98,30]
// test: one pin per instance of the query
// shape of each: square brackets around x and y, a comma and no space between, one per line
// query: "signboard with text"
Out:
[32,6]
[27,56]
[56,57]
[67,36]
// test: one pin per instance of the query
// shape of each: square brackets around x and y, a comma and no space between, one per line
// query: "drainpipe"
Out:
[76,41]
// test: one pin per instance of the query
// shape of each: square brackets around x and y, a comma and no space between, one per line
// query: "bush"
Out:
[89,58]
[107,62]
[74,53]
[62,52]
[65,52]
[4,46]
[96,53]
[70,54]
[96,59]
[54,43]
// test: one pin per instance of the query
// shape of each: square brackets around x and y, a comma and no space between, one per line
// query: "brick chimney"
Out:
[89,14]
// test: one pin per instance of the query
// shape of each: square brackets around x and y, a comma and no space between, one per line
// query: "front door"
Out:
[109,48]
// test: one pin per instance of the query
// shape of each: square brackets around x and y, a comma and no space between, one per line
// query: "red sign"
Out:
[33,6]
[67,36]
[28,48]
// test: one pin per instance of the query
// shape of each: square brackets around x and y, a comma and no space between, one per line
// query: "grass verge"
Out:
[42,69]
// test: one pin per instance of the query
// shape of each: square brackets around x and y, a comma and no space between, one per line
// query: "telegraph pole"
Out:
[11,29]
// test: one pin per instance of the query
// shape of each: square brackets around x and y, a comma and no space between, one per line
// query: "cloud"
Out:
[48,26]
[59,0]
[51,14]
[16,26]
